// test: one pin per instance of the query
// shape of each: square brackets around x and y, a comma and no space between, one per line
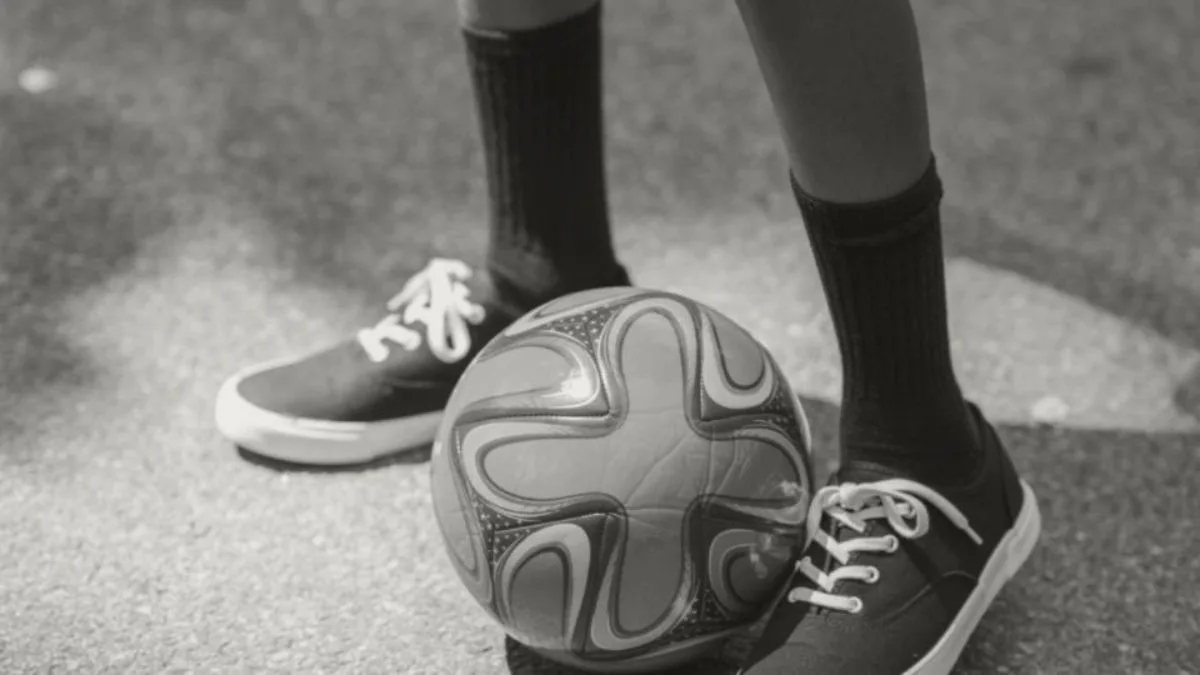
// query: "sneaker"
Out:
[897,575]
[379,393]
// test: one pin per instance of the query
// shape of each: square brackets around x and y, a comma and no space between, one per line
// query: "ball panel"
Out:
[758,466]
[536,462]
[460,530]
[542,582]
[741,357]
[754,575]
[722,396]
[727,550]
[582,542]
[524,375]
[651,572]
[449,510]
[559,376]
[725,540]
[480,441]
[606,634]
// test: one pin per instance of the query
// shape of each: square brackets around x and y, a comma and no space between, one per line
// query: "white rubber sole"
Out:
[310,441]
[1010,554]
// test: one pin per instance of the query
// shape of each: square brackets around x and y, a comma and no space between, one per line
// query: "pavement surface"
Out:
[208,183]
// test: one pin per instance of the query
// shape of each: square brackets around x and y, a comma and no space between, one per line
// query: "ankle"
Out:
[938,444]
[534,283]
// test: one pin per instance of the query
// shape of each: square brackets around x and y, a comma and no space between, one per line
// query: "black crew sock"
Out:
[882,268]
[539,100]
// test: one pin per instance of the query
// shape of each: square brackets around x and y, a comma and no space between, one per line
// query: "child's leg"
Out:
[846,80]
[536,70]
[535,67]
[926,519]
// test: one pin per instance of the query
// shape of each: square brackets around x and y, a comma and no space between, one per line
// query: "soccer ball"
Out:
[621,479]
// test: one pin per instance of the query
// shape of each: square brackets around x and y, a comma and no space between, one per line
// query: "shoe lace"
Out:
[436,297]
[902,503]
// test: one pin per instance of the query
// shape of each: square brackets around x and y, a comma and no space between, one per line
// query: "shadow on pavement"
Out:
[1161,305]
[77,201]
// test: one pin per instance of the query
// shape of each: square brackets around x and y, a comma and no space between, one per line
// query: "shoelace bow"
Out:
[436,297]
[898,501]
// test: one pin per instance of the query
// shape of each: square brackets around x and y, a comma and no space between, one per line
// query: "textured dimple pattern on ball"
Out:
[585,327]
[500,532]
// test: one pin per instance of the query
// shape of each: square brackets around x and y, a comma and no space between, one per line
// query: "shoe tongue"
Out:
[850,472]
[489,292]
[864,472]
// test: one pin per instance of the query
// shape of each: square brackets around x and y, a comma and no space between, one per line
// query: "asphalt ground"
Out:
[215,182]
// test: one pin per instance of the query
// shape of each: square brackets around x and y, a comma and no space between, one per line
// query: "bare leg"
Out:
[849,90]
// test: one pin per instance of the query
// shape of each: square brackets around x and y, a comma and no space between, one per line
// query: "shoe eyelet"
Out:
[856,605]
[872,575]
[893,544]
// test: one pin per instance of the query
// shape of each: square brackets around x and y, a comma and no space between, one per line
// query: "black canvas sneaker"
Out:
[897,575]
[378,393]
